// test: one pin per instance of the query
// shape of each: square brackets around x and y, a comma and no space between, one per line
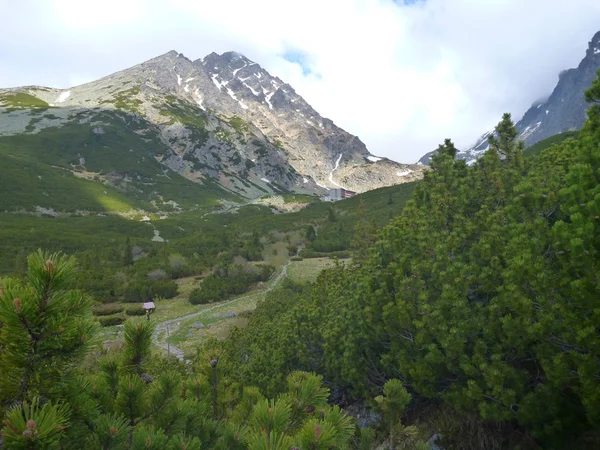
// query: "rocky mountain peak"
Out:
[564,110]
[594,47]
[225,117]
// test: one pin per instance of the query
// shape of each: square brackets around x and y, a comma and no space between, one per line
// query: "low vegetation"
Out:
[467,314]
[549,142]
[480,297]
[126,100]
[92,168]
[239,125]
[229,280]
[128,399]
[21,100]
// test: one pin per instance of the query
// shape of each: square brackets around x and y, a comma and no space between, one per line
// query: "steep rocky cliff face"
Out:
[221,117]
[564,110]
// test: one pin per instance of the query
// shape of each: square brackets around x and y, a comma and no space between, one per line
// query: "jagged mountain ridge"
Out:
[564,110]
[223,117]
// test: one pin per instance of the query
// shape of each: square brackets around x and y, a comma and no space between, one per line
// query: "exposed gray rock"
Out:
[223,117]
[432,442]
[45,211]
[227,315]
[146,378]
[364,415]
[197,325]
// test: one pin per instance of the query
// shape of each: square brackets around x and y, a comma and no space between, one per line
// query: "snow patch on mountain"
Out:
[237,70]
[337,164]
[565,109]
[268,99]
[530,130]
[198,99]
[257,93]
[63,96]
[218,84]
[231,94]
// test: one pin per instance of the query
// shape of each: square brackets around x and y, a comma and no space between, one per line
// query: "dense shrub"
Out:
[179,267]
[107,310]
[167,289]
[109,299]
[329,245]
[107,321]
[144,290]
[135,311]
[251,253]
[199,297]
[158,274]
[309,253]
[482,295]
[229,281]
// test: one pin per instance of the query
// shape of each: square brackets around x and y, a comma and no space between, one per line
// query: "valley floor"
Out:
[181,326]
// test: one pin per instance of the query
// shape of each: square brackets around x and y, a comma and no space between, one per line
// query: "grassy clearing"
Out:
[179,305]
[300,198]
[276,254]
[215,321]
[220,318]
[216,324]
[22,100]
[308,270]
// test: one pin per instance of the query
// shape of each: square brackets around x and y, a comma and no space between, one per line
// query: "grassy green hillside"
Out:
[202,239]
[105,166]
[83,187]
[549,142]
[16,100]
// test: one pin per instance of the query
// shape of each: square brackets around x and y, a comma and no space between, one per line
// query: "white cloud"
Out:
[401,78]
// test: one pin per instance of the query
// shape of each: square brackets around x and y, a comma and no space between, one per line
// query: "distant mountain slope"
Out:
[565,109]
[82,168]
[219,119]
[542,145]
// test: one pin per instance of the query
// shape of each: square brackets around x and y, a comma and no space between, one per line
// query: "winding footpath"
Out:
[161,327]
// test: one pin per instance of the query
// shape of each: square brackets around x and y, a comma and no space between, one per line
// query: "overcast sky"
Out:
[402,75]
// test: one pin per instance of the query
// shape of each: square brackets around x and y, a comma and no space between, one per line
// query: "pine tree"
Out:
[331,215]
[21,263]
[364,238]
[392,404]
[592,95]
[311,235]
[127,253]
[45,330]
[390,200]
